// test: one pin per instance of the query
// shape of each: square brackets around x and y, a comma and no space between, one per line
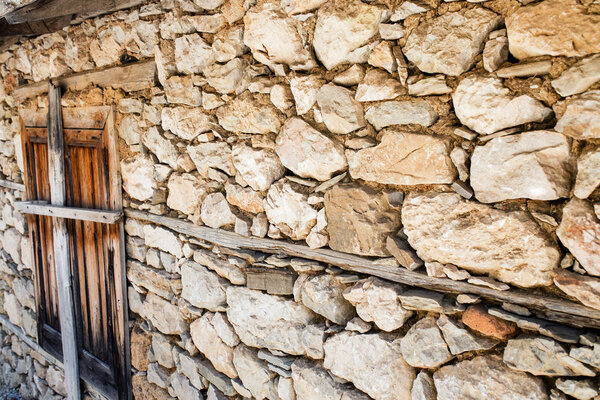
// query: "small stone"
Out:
[423,387]
[495,53]
[578,78]
[590,356]
[323,295]
[578,33]
[588,173]
[229,44]
[465,133]
[486,106]
[260,225]
[227,78]
[281,97]
[450,43]
[164,316]
[341,29]
[429,86]
[377,301]
[486,377]
[542,356]
[581,119]
[163,239]
[249,113]
[187,123]
[258,167]
[181,90]
[467,298]
[307,152]
[372,362]
[460,339]
[244,198]
[404,158]
[409,8]
[463,189]
[350,77]
[312,381]
[341,113]
[289,210]
[215,211]
[422,300]
[359,220]
[192,54]
[403,253]
[584,288]
[581,390]
[460,158]
[391,31]
[138,177]
[423,345]
[401,113]
[478,319]
[535,68]
[579,231]
[224,268]
[382,57]
[304,89]
[377,86]
[356,324]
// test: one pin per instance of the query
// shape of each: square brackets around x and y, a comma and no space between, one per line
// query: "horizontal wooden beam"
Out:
[94,117]
[553,308]
[82,214]
[136,76]
[33,28]
[12,185]
[43,9]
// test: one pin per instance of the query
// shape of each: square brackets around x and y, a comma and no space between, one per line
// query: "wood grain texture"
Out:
[12,185]
[44,9]
[135,76]
[56,167]
[72,118]
[83,214]
[553,308]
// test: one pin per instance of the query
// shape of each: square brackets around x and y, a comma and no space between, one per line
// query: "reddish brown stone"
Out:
[144,390]
[478,319]
[140,344]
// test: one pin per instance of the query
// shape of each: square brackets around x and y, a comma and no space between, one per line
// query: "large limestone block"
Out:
[324,295]
[555,28]
[372,362]
[535,165]
[288,209]
[486,106]
[262,320]
[138,177]
[307,152]
[507,245]
[249,113]
[187,123]
[312,381]
[341,112]
[275,38]
[581,119]
[203,288]
[404,158]
[486,377]
[209,343]
[579,231]
[450,43]
[258,167]
[377,301]
[359,219]
[342,28]
[186,193]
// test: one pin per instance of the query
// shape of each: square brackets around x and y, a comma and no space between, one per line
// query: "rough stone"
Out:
[486,377]
[533,30]
[377,301]
[404,158]
[535,165]
[588,173]
[581,119]
[423,387]
[206,339]
[450,43]
[350,77]
[288,209]
[486,106]
[229,43]
[307,152]
[382,57]
[223,268]
[581,390]
[203,288]
[186,193]
[274,322]
[403,253]
[192,54]
[377,86]
[584,288]
[163,148]
[342,28]
[435,85]
[181,90]
[446,228]
[216,212]
[258,167]
[162,350]
[323,295]
[578,78]
[542,356]
[187,123]
[254,374]
[422,300]
[164,316]
[246,199]
[372,362]
[423,345]
[274,38]
[579,231]
[460,339]
[182,388]
[249,113]
[359,219]
[138,177]
[227,78]
[304,89]
[477,318]
[341,113]
[495,53]
[312,381]
[401,113]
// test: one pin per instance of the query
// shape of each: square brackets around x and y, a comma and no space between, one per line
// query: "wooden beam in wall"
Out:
[44,9]
[12,185]
[552,307]
[136,76]
[33,28]
[81,214]
[62,262]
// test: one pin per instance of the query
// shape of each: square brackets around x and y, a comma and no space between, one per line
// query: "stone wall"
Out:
[456,139]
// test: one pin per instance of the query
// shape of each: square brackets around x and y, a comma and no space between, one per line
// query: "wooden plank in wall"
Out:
[135,76]
[56,157]
[82,214]
[271,280]
[553,308]
[72,118]
[43,9]
[12,185]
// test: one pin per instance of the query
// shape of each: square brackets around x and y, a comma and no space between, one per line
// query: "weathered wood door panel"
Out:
[96,250]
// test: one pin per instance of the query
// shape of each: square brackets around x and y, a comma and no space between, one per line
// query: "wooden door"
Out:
[96,249]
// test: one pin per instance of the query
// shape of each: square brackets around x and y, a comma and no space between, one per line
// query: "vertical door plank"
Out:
[56,171]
